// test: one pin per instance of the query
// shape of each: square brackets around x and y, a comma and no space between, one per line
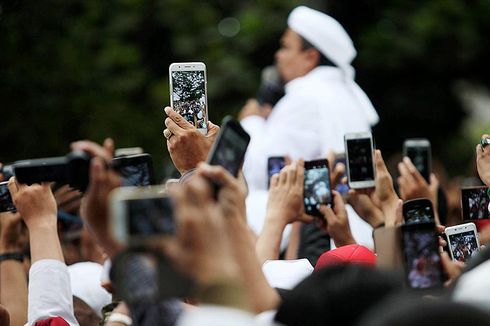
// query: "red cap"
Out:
[350,254]
[53,321]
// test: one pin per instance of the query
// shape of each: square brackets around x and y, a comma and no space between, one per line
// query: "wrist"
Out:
[15,256]
[8,248]
[44,222]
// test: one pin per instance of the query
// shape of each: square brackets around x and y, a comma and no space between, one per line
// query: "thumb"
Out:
[212,129]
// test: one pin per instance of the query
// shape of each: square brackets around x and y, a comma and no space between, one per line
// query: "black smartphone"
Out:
[274,166]
[359,149]
[72,169]
[419,152]
[317,190]
[136,170]
[475,203]
[6,203]
[423,269]
[230,146]
[418,211]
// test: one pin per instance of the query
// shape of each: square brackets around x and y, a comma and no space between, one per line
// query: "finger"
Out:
[212,129]
[291,174]
[328,214]
[173,127]
[167,134]
[177,119]
[305,218]
[283,175]
[93,149]
[338,202]
[380,163]
[300,172]
[331,159]
[405,172]
[13,186]
[274,181]
[434,182]
[413,171]
[109,146]
[217,174]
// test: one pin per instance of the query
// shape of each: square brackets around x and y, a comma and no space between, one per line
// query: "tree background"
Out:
[87,69]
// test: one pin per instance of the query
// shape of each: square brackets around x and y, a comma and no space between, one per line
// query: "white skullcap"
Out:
[85,285]
[286,274]
[324,33]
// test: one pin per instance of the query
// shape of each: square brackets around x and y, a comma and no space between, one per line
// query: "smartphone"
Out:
[419,152]
[359,151]
[274,166]
[136,170]
[6,203]
[230,146]
[423,269]
[188,92]
[317,190]
[140,215]
[341,188]
[475,203]
[462,241]
[418,211]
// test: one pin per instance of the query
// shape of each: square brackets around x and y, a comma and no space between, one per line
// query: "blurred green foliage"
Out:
[88,69]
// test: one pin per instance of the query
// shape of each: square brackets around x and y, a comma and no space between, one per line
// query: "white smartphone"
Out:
[188,92]
[462,241]
[140,214]
[360,159]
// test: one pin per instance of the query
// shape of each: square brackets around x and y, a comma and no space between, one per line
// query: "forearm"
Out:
[13,291]
[258,290]
[269,241]
[44,243]
[389,208]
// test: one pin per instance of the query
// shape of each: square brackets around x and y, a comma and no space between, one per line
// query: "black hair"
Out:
[414,311]
[337,295]
[323,61]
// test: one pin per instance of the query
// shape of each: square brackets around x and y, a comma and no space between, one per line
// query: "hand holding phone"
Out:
[419,152]
[359,151]
[135,170]
[188,92]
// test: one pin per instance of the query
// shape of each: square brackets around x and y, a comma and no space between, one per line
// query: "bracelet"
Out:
[117,317]
[12,256]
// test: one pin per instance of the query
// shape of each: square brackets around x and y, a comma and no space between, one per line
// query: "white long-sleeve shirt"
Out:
[312,118]
[50,292]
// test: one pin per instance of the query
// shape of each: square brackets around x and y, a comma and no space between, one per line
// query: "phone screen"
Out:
[150,216]
[341,188]
[360,153]
[6,203]
[418,212]
[316,186]
[475,203]
[463,245]
[419,155]
[135,170]
[230,150]
[189,96]
[423,263]
[275,165]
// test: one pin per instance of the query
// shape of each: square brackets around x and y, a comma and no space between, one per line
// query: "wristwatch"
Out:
[117,317]
[12,256]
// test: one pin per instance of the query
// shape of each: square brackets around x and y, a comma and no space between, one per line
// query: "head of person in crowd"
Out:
[313,39]
[337,295]
[85,284]
[349,254]
[412,311]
